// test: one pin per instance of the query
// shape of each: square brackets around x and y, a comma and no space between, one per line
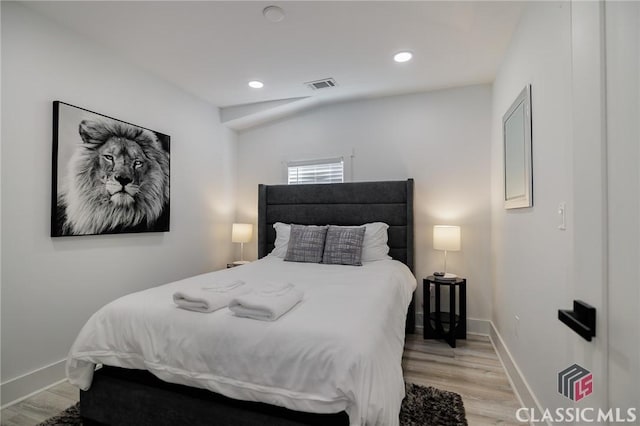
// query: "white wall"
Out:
[50,286]
[441,139]
[585,152]
[531,256]
[623,136]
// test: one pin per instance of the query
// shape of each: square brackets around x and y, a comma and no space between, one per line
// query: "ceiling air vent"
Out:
[325,83]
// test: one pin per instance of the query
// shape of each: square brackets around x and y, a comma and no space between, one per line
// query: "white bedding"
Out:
[339,349]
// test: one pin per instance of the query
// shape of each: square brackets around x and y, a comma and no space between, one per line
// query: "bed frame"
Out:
[135,397]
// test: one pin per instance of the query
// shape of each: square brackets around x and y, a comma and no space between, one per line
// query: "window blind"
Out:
[316,171]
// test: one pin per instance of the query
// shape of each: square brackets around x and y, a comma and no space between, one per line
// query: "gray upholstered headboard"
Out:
[356,203]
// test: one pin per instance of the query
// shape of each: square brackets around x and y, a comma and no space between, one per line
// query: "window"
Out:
[316,171]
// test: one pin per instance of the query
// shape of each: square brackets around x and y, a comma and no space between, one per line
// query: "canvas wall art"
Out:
[109,176]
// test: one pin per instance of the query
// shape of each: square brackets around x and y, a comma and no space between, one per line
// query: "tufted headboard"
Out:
[355,203]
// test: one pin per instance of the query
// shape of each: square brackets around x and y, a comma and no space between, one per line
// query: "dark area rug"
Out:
[70,416]
[423,406]
[428,406]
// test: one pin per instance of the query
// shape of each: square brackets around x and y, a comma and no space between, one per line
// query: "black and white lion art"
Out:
[117,181]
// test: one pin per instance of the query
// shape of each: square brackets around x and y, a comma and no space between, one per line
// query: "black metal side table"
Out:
[448,326]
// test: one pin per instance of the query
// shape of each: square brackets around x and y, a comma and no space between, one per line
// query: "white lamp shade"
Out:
[446,237]
[241,232]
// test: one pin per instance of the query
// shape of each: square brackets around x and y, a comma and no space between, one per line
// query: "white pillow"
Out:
[374,245]
[283,232]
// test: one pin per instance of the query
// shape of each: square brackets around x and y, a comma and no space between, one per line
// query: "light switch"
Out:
[562,214]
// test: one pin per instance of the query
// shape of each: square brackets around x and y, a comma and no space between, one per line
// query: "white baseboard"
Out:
[24,386]
[519,384]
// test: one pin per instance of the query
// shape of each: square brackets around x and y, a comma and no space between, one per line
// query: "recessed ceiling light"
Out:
[255,84]
[402,56]
[273,13]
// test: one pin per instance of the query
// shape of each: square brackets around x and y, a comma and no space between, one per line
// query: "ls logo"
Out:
[575,382]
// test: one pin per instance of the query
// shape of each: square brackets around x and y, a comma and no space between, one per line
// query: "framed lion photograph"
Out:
[109,176]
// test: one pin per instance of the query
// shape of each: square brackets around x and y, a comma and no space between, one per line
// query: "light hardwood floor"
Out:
[472,369]
[41,406]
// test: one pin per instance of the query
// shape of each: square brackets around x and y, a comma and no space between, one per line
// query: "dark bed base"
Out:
[137,398]
[121,396]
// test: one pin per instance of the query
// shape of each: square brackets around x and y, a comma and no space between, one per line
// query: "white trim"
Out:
[27,385]
[519,384]
[315,162]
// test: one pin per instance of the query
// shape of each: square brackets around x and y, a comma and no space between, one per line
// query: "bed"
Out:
[353,377]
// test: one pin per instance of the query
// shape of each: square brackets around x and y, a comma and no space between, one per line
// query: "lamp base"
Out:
[241,262]
[445,276]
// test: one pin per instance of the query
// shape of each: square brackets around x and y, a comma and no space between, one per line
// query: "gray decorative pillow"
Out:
[344,246]
[306,243]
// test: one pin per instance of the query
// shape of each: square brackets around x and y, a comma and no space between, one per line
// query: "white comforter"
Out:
[339,349]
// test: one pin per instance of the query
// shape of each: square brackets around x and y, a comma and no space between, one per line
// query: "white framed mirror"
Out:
[516,131]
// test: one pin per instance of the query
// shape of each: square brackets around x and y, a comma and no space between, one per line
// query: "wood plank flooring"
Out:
[472,369]
[40,406]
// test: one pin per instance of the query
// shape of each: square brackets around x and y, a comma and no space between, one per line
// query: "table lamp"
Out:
[446,238]
[241,233]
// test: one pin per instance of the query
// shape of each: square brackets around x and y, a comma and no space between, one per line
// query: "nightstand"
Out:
[448,326]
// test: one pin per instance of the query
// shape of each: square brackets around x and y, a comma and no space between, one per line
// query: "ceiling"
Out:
[213,48]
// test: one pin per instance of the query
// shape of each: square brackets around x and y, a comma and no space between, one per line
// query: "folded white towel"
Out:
[209,299]
[267,303]
[225,286]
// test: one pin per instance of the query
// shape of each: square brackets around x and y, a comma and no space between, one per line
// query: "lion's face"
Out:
[122,169]
[118,178]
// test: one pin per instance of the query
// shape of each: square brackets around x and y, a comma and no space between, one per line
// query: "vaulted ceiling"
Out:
[213,48]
